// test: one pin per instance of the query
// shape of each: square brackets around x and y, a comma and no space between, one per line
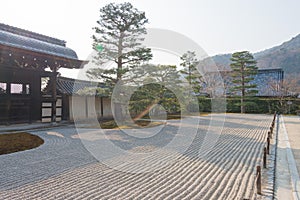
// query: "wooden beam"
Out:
[54,95]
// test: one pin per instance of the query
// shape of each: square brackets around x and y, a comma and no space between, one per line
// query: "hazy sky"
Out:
[218,26]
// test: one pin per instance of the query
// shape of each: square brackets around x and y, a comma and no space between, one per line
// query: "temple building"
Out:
[29,61]
[26,58]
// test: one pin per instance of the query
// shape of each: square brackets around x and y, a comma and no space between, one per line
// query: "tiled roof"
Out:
[72,86]
[16,37]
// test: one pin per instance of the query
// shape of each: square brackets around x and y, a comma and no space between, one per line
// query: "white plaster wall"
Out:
[77,108]
[78,105]
[107,112]
[91,107]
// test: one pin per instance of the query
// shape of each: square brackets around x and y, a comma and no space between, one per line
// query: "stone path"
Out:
[288,164]
[63,169]
[292,124]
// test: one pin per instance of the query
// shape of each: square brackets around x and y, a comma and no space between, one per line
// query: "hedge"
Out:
[255,105]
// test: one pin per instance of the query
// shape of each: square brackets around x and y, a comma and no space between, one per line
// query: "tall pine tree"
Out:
[118,39]
[190,72]
[244,68]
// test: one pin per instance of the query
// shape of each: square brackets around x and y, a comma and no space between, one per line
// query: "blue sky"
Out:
[218,26]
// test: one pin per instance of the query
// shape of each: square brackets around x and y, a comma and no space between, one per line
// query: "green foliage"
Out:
[263,105]
[156,79]
[190,72]
[96,91]
[243,68]
[204,104]
[193,107]
[120,33]
[257,105]
[150,95]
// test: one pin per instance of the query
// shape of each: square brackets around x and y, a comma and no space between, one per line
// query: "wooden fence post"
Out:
[265,158]
[268,145]
[271,130]
[258,180]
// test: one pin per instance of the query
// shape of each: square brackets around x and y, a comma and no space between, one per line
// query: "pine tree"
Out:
[157,82]
[244,68]
[189,71]
[118,40]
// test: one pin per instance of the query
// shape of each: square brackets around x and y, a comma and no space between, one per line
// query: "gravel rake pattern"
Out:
[63,169]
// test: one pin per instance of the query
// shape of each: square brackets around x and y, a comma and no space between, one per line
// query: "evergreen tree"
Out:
[190,72]
[244,68]
[118,40]
[154,90]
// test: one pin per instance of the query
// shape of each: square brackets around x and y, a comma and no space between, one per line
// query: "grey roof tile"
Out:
[15,37]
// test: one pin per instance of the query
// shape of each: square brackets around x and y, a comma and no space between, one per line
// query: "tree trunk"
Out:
[117,106]
[242,105]
[120,52]
[243,91]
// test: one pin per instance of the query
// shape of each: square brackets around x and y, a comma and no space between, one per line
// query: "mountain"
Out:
[285,56]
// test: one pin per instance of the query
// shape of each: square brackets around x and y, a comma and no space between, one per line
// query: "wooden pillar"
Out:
[8,103]
[65,107]
[54,95]
[8,75]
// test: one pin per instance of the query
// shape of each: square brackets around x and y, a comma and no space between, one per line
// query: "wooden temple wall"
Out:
[20,96]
